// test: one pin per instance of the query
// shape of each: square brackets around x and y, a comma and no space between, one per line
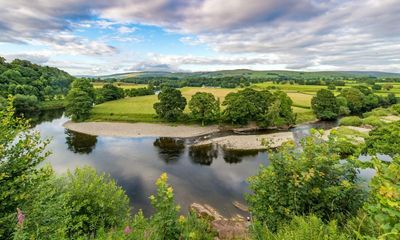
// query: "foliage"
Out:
[165,220]
[109,92]
[279,113]
[25,103]
[373,121]
[300,228]
[79,104]
[342,104]
[171,104]
[75,205]
[391,98]
[350,121]
[246,105]
[324,105]
[355,99]
[21,152]
[383,206]
[384,139]
[395,108]
[304,182]
[204,107]
[25,78]
[378,112]
[80,100]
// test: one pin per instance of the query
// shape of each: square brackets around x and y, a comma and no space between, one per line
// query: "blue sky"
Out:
[102,37]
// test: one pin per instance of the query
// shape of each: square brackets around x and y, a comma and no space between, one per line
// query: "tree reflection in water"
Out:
[203,155]
[169,149]
[236,156]
[80,142]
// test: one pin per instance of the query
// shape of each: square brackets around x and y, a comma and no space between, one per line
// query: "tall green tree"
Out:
[204,107]
[21,153]
[279,113]
[355,99]
[80,100]
[171,104]
[324,105]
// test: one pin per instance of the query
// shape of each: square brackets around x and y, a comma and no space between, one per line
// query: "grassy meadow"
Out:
[140,109]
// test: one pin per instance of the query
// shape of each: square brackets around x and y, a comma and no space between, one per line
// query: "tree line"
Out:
[31,84]
[355,100]
[263,107]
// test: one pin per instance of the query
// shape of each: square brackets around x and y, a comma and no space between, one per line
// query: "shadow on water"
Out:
[169,149]
[79,142]
[236,156]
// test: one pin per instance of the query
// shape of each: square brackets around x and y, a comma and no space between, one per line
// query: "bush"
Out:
[373,121]
[300,228]
[78,204]
[384,139]
[350,121]
[378,112]
[304,182]
[395,108]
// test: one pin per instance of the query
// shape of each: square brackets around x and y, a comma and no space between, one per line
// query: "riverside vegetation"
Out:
[310,194]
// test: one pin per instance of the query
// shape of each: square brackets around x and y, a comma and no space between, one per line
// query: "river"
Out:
[207,175]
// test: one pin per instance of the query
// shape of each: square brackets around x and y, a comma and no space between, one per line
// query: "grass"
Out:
[140,109]
[345,131]
[121,85]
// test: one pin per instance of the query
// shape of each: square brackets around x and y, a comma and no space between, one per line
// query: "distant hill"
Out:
[254,74]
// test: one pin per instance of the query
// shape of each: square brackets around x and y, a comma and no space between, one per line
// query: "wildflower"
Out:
[20,217]
[127,230]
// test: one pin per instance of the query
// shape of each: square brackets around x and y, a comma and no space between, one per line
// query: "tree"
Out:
[305,182]
[391,99]
[324,105]
[279,113]
[376,87]
[109,92]
[79,105]
[25,104]
[387,87]
[171,104]
[342,104]
[80,100]
[21,153]
[355,99]
[204,107]
[246,105]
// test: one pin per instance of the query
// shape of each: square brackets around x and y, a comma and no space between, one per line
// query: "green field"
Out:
[140,109]
[121,85]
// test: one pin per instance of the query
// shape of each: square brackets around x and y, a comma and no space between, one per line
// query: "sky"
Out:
[98,37]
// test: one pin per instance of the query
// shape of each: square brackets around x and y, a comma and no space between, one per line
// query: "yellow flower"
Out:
[182,219]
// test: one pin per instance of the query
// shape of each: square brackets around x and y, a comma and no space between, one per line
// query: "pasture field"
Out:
[121,85]
[140,109]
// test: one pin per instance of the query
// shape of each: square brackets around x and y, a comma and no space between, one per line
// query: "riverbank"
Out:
[249,142]
[115,129]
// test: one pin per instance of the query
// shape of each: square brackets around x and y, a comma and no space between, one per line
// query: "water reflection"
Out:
[203,155]
[236,156]
[44,116]
[169,149]
[79,142]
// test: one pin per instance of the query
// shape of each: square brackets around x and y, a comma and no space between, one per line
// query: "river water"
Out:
[207,175]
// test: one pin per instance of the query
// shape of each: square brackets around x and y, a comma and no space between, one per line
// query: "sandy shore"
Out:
[115,129]
[250,142]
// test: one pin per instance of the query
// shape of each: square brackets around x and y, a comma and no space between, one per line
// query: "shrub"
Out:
[378,112]
[25,104]
[78,204]
[304,182]
[384,139]
[350,121]
[300,228]
[373,121]
[395,108]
